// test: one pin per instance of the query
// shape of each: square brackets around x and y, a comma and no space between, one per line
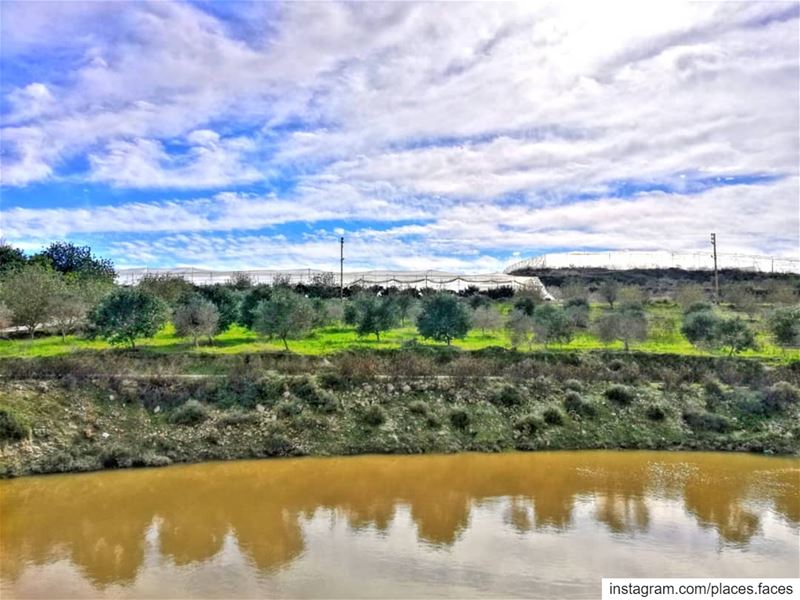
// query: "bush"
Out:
[508,395]
[553,416]
[190,412]
[780,397]
[706,422]
[418,407]
[459,418]
[288,408]
[574,385]
[305,389]
[11,428]
[238,417]
[620,394]
[528,425]
[616,365]
[332,380]
[374,416]
[573,403]
[656,412]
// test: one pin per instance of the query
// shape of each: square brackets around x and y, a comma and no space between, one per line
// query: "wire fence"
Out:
[662,259]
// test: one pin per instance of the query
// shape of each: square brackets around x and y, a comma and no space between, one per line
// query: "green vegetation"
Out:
[602,366]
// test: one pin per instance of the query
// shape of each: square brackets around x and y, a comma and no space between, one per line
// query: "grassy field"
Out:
[664,337]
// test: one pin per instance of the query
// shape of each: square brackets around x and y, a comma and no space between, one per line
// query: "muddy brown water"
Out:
[543,524]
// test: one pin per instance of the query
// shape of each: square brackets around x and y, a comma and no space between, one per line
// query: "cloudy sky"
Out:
[436,135]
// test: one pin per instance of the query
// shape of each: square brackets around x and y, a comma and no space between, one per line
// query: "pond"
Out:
[542,524]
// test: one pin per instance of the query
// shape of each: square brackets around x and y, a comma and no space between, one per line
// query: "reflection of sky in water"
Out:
[442,526]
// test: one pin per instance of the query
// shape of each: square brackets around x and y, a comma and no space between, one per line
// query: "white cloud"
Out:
[423,111]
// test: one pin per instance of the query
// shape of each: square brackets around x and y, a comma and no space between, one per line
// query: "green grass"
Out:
[665,338]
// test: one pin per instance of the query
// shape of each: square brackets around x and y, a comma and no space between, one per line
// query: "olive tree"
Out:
[70,259]
[520,328]
[609,290]
[374,314]
[443,318]
[5,318]
[487,317]
[126,314]
[551,324]
[699,327]
[286,314]
[784,325]
[626,324]
[734,336]
[194,317]
[29,293]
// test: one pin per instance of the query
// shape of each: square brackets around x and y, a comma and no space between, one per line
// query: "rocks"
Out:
[406,389]
[105,435]
[157,409]
[260,408]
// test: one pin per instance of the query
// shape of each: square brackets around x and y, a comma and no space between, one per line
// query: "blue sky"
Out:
[431,135]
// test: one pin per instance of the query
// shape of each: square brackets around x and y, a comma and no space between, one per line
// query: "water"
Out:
[545,524]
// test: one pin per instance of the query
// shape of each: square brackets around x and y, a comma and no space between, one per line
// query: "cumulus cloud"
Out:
[484,125]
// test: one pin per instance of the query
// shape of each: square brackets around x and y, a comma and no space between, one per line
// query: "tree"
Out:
[29,293]
[551,324]
[240,281]
[577,310]
[251,300]
[742,298]
[6,318]
[226,302]
[784,325]
[286,314]
[70,258]
[487,317]
[520,328]
[626,324]
[734,335]
[699,327]
[632,294]
[196,316]
[69,308]
[608,291]
[689,294]
[167,287]
[443,318]
[126,314]
[375,314]
[11,258]
[574,288]
[404,304]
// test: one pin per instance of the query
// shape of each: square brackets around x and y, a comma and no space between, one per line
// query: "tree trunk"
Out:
[285,344]
[626,345]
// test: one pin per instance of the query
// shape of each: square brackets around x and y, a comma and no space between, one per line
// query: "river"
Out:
[540,524]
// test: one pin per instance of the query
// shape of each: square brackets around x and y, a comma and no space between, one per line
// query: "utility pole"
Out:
[341,268]
[716,273]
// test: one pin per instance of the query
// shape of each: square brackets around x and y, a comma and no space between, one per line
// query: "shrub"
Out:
[620,394]
[418,407]
[573,403]
[190,412]
[553,416]
[574,385]
[528,425]
[11,428]
[459,418]
[374,415]
[288,408]
[508,395]
[238,417]
[332,380]
[616,365]
[780,396]
[433,421]
[706,422]
[656,412]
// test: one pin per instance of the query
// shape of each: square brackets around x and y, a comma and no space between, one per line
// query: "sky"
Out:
[454,136]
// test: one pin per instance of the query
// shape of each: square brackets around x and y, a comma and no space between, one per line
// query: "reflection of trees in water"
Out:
[99,521]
